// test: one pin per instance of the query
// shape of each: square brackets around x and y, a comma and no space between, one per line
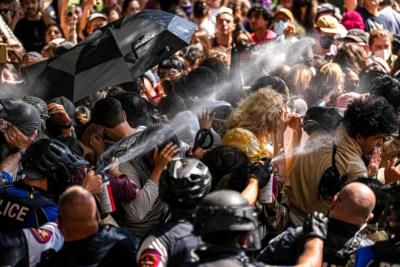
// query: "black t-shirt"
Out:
[31,34]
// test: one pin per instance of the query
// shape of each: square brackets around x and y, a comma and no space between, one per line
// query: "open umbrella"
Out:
[112,55]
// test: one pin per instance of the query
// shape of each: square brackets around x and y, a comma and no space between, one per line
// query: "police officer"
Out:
[228,226]
[385,253]
[182,186]
[86,242]
[25,247]
[350,212]
[31,202]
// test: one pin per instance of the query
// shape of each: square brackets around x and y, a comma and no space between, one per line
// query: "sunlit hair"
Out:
[328,79]
[259,112]
[298,79]
[378,33]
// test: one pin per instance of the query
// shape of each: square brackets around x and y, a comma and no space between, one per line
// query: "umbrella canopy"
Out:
[112,55]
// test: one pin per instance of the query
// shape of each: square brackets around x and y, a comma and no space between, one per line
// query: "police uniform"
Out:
[23,206]
[342,241]
[170,245]
[25,247]
[383,253]
[110,246]
[216,256]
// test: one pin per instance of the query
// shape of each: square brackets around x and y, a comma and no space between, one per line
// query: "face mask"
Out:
[326,41]
[383,53]
[280,26]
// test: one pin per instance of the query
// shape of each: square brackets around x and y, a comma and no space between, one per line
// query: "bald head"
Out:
[78,216]
[353,204]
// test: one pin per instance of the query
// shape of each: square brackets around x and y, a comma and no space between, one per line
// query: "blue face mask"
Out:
[187,10]
[280,26]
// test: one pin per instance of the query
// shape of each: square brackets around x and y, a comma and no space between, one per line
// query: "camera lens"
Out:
[69,14]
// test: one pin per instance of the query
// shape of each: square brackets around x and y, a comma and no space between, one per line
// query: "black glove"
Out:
[258,171]
[267,163]
[315,225]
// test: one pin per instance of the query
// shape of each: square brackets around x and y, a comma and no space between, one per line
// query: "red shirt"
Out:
[269,36]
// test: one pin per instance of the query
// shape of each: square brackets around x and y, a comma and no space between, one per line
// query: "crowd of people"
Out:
[272,139]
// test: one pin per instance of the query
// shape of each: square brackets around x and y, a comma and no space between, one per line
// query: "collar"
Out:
[342,228]
[346,142]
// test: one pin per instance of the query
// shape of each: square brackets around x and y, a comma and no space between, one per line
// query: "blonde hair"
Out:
[299,79]
[259,112]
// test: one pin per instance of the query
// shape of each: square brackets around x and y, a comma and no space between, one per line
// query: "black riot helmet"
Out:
[225,210]
[185,183]
[52,159]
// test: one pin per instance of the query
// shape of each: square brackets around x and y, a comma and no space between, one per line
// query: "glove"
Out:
[267,163]
[258,171]
[315,225]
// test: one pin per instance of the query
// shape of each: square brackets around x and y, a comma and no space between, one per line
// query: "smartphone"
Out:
[3,53]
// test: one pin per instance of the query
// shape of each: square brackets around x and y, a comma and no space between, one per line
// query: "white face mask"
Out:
[383,53]
[280,26]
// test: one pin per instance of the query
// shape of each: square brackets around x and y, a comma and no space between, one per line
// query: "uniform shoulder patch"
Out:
[149,258]
[41,235]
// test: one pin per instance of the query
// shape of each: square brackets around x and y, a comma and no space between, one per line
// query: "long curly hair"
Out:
[259,112]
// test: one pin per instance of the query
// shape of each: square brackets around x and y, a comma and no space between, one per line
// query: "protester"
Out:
[258,117]
[288,124]
[356,136]
[259,21]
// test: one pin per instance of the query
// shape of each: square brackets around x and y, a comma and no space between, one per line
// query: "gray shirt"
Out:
[147,210]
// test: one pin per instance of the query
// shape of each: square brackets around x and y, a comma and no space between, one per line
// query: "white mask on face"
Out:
[383,53]
[280,26]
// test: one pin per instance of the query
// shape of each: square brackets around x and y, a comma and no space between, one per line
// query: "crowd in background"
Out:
[276,131]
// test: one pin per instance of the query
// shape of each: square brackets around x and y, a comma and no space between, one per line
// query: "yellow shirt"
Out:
[247,142]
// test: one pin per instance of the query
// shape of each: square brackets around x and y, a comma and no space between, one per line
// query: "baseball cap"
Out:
[97,15]
[329,8]
[357,35]
[329,24]
[285,12]
[23,115]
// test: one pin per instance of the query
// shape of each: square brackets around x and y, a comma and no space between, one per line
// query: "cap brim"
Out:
[356,39]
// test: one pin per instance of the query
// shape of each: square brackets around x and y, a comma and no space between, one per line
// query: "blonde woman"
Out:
[257,125]
[257,128]
[326,85]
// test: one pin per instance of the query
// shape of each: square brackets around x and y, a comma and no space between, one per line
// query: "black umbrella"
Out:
[112,55]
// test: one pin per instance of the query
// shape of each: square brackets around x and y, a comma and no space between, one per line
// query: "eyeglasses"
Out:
[4,10]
